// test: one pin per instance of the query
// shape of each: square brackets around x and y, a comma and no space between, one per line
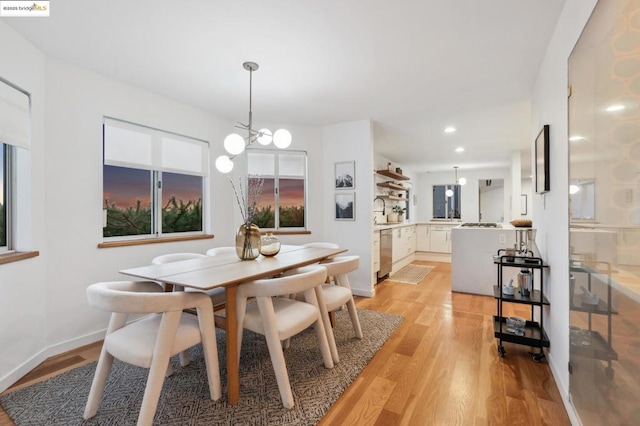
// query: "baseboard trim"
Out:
[20,371]
[564,392]
[433,257]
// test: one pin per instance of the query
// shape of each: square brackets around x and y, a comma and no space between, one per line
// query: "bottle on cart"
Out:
[525,282]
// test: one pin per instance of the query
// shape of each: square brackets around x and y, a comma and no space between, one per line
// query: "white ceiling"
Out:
[411,66]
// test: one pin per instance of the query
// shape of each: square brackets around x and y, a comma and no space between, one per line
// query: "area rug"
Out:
[411,274]
[185,396]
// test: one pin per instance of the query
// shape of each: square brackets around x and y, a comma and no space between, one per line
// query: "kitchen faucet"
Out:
[384,206]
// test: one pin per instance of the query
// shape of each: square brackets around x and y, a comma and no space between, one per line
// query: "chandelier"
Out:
[235,144]
[461,181]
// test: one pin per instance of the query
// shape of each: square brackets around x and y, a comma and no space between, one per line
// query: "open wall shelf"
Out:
[392,175]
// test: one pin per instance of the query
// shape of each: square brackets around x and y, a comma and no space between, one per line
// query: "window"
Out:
[3,197]
[446,202]
[153,181]
[283,199]
[14,136]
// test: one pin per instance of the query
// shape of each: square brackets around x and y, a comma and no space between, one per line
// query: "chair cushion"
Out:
[134,343]
[335,296]
[292,317]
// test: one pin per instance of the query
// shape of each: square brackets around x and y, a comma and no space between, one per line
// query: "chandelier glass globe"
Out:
[224,164]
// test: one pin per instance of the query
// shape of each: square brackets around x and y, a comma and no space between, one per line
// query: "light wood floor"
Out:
[440,367]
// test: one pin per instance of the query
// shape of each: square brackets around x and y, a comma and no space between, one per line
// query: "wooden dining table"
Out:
[228,271]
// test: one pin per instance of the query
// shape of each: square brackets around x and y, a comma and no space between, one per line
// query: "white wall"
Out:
[550,211]
[470,191]
[23,284]
[77,100]
[347,142]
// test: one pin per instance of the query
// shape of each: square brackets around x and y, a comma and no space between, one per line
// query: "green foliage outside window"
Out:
[290,217]
[177,216]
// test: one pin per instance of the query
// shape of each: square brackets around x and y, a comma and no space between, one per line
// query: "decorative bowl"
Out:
[521,223]
[590,299]
[508,290]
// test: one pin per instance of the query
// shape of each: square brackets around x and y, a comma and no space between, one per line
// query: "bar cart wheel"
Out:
[537,357]
[608,371]
[501,351]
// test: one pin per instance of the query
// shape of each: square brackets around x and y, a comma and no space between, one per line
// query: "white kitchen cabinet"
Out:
[404,242]
[376,251]
[423,238]
[397,245]
[440,239]
[410,232]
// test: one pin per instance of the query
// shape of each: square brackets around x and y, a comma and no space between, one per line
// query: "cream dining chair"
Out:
[216,294]
[153,340]
[219,251]
[339,293]
[279,318]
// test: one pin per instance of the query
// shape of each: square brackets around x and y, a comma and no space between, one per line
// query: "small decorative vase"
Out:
[248,241]
[269,245]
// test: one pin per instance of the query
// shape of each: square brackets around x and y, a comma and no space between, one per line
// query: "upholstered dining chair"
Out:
[321,245]
[279,318]
[219,251]
[153,340]
[339,293]
[217,294]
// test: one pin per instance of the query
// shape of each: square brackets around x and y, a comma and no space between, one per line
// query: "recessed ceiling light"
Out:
[449,129]
[576,138]
[459,149]
[616,107]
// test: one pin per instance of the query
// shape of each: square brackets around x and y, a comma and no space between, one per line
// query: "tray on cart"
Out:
[533,336]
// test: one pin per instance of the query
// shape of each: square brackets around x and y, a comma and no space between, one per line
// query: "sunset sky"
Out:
[291,193]
[125,186]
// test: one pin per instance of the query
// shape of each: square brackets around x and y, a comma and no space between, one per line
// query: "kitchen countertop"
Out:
[391,225]
[455,224]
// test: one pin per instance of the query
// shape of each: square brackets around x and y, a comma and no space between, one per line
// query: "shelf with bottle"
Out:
[391,185]
[392,175]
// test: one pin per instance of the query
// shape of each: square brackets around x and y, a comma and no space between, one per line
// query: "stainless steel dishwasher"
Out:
[386,252]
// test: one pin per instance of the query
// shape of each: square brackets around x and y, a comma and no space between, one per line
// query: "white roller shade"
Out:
[14,116]
[261,164]
[130,145]
[291,164]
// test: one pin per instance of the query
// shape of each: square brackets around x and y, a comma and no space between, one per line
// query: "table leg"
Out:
[233,383]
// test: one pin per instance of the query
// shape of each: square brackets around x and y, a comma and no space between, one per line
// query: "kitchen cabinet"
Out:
[423,238]
[404,242]
[440,239]
[376,251]
[533,334]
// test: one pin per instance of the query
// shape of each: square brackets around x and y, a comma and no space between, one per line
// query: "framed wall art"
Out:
[346,206]
[542,160]
[345,175]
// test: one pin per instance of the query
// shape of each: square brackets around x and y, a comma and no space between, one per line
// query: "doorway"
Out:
[491,200]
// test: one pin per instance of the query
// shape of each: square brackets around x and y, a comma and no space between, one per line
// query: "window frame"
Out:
[8,197]
[276,177]
[155,190]
[457,189]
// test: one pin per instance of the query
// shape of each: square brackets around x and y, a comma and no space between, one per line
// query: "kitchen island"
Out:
[472,248]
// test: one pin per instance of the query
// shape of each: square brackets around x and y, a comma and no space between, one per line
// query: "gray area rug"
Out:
[185,396]
[411,274]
